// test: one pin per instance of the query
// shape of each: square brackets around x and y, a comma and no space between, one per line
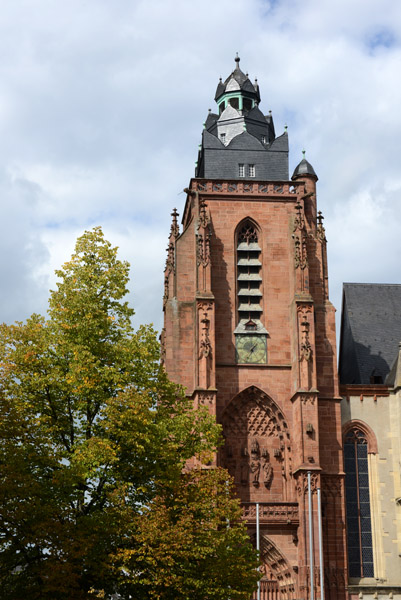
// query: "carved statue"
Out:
[255,446]
[267,472]
[255,471]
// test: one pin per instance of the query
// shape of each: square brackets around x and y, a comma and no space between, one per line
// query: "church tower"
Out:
[249,331]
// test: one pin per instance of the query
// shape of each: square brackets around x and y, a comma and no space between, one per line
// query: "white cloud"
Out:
[101,111]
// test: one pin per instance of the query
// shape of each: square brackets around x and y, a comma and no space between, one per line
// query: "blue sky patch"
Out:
[382,38]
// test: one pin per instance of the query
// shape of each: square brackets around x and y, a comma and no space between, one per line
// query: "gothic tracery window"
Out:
[359,527]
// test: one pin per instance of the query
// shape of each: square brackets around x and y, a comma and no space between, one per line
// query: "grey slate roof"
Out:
[211,120]
[242,80]
[370,331]
[304,168]
[242,137]
[393,379]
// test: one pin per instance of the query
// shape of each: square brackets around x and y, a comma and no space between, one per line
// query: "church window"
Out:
[251,170]
[359,527]
[249,269]
[241,170]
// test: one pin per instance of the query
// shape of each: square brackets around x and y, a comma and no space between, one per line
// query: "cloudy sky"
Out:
[101,111]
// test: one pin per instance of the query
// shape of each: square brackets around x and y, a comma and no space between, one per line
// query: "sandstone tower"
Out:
[250,332]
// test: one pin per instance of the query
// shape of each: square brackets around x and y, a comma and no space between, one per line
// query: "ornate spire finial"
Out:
[320,230]
[285,127]
[175,230]
[237,59]
[303,154]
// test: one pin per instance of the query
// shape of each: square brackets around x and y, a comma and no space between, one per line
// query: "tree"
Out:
[93,442]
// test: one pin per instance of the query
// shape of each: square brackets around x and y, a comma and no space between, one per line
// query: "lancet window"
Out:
[249,276]
[359,526]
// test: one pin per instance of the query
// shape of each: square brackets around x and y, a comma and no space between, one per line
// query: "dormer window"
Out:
[223,138]
[241,170]
[251,171]
[264,139]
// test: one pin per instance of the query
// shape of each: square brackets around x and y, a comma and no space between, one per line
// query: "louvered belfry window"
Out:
[359,527]
[249,275]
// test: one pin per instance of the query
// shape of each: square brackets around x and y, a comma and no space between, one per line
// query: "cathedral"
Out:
[249,331]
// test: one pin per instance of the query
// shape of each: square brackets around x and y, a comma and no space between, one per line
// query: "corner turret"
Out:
[304,169]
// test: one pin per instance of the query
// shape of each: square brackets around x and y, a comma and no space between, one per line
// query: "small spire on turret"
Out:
[237,59]
[303,154]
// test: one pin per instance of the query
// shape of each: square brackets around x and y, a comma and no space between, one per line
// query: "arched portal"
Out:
[257,450]
[277,582]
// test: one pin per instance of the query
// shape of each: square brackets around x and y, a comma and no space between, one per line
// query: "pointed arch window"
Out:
[359,525]
[249,275]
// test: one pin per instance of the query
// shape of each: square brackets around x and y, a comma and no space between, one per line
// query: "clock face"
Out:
[251,349]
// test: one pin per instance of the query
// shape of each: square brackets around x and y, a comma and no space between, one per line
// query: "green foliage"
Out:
[93,442]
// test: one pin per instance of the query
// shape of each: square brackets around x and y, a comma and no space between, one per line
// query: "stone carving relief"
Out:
[305,349]
[203,236]
[255,429]
[299,221]
[308,399]
[320,230]
[166,290]
[170,258]
[302,483]
[175,229]
[300,239]
[205,346]
[169,268]
[205,399]
[252,413]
